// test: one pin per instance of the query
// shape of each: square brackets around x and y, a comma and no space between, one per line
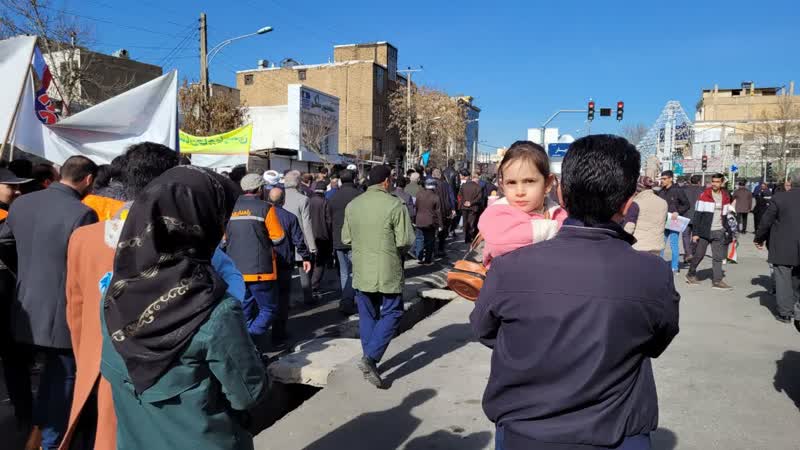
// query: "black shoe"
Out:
[783,319]
[370,371]
[797,325]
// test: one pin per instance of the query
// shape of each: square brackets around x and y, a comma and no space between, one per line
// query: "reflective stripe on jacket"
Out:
[252,231]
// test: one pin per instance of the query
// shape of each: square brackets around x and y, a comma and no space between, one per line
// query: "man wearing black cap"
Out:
[15,358]
[378,227]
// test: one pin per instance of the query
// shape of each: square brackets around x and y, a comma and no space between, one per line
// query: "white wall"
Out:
[550,136]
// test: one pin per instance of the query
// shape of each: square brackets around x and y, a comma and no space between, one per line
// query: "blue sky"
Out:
[521,60]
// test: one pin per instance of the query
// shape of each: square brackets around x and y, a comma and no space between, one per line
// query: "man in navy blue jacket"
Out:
[284,260]
[574,321]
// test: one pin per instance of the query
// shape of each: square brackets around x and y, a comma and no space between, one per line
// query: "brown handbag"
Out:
[467,275]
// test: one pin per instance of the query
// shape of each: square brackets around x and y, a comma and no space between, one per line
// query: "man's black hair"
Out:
[695,179]
[718,176]
[237,173]
[118,167]
[347,176]
[464,173]
[409,172]
[599,175]
[668,173]
[105,173]
[42,173]
[145,162]
[22,168]
[742,183]
[400,182]
[78,167]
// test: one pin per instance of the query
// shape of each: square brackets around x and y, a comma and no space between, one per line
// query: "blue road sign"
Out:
[734,168]
[677,169]
[557,150]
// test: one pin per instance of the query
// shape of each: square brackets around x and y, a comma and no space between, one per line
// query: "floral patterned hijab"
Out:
[163,287]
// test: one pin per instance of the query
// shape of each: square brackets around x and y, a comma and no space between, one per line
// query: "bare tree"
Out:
[80,79]
[206,116]
[438,121]
[635,133]
[777,133]
[315,129]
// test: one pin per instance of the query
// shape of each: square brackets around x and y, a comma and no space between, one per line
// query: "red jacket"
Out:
[704,213]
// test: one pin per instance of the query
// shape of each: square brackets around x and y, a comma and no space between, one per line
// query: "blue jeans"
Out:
[345,258]
[54,398]
[418,243]
[378,319]
[260,306]
[672,238]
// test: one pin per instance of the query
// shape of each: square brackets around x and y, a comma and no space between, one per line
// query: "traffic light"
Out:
[770,173]
[590,115]
[704,163]
[620,110]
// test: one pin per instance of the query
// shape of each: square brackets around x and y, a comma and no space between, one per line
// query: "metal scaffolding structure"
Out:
[672,126]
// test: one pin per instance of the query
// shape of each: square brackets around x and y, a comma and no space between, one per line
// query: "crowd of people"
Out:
[147,292]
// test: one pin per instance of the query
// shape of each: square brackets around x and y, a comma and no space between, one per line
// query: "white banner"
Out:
[104,131]
[15,62]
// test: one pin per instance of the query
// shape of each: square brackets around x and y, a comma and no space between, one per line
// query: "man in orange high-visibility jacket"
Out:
[251,233]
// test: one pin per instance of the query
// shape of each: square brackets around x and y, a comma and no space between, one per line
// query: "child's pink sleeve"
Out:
[504,229]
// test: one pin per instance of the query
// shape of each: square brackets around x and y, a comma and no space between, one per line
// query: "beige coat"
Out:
[649,231]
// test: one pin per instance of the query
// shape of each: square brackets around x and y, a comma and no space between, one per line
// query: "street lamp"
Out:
[214,51]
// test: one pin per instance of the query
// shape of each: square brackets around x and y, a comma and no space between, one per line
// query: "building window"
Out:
[301,75]
[737,150]
[248,79]
[380,80]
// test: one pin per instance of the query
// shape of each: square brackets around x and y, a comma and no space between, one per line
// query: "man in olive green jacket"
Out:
[378,227]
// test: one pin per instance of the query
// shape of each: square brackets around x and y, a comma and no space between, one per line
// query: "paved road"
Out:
[730,380]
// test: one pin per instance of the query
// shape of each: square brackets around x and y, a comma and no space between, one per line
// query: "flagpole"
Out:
[16,110]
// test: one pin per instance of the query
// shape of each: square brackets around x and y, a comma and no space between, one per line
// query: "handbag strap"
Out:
[474,246]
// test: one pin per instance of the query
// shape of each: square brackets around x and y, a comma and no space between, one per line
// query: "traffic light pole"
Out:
[544,125]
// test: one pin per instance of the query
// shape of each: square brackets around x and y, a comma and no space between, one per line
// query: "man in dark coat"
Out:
[470,198]
[321,222]
[780,226]
[692,191]
[337,204]
[399,192]
[447,203]
[40,225]
[573,338]
[743,204]
[428,220]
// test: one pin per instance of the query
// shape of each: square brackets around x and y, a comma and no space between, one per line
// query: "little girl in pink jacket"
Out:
[525,215]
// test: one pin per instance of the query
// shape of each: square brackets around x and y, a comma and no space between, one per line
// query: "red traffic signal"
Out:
[620,110]
[704,163]
[590,115]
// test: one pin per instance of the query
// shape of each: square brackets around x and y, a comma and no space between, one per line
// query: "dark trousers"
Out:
[260,306]
[324,250]
[638,442]
[689,247]
[456,220]
[305,282]
[442,235]
[345,257]
[717,243]
[428,244]
[284,285]
[17,359]
[787,289]
[54,396]
[470,224]
[419,241]
[378,319]
[742,218]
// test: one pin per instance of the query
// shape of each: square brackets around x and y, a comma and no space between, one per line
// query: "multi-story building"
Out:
[746,127]
[97,76]
[361,76]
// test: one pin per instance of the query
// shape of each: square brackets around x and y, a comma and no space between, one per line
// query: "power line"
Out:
[107,21]
[182,45]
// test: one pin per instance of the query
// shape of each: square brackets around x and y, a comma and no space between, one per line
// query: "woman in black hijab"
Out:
[176,350]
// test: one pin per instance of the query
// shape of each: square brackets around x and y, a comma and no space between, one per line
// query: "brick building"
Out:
[361,76]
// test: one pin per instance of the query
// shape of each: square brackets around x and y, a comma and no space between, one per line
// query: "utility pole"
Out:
[409,143]
[474,156]
[204,54]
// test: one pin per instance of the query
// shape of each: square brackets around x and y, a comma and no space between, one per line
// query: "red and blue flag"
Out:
[45,109]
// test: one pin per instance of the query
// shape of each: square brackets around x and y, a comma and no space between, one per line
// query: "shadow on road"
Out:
[664,439]
[444,439]
[786,378]
[419,355]
[376,430]
[765,298]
